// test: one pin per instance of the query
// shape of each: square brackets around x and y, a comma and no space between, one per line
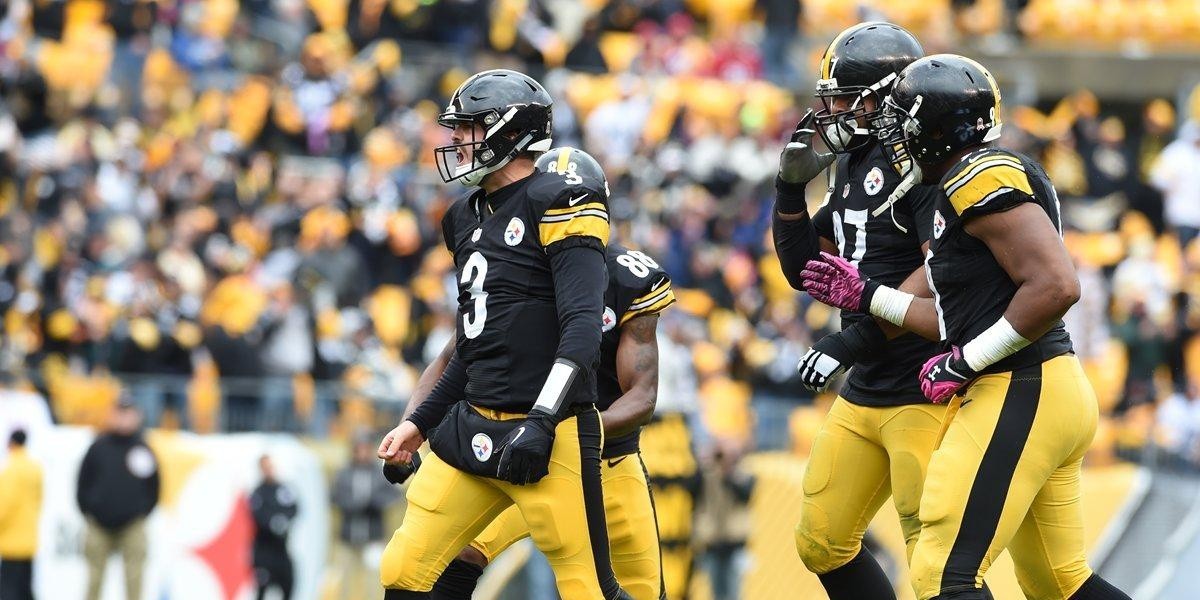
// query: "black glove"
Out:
[525,452]
[837,352]
[399,473]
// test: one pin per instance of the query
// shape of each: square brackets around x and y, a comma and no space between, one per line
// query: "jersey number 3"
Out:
[474,273]
[857,218]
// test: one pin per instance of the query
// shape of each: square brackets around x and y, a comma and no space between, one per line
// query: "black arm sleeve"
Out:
[450,388]
[796,242]
[580,278]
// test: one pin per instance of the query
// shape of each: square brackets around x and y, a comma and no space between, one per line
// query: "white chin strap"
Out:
[839,137]
[474,178]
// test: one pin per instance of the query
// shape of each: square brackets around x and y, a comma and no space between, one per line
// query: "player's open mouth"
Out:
[460,156]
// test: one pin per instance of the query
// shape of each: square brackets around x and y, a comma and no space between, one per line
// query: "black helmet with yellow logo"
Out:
[859,67]
[939,106]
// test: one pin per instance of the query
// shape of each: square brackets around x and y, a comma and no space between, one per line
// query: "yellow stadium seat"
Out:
[619,49]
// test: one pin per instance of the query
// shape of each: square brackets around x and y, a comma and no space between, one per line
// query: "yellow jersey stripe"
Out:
[663,283]
[585,225]
[655,308]
[553,212]
[987,160]
[983,186]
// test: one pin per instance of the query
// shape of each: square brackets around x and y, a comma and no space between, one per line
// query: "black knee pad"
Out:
[404,595]
[457,581]
[860,578]
[1096,588]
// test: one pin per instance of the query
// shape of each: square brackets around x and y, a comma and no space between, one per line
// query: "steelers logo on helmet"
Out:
[856,73]
[495,115]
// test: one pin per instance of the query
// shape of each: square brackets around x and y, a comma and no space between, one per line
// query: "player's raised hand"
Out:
[401,444]
[800,162]
[525,452]
[833,280]
[945,374]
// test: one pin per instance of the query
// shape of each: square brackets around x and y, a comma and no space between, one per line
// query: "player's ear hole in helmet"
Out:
[576,167]
[940,106]
[856,73]
[496,115]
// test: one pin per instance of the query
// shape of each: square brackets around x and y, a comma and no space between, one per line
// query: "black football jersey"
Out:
[885,244]
[971,289]
[637,286]
[508,329]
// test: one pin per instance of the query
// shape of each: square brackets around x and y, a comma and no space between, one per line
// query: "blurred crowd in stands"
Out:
[230,208]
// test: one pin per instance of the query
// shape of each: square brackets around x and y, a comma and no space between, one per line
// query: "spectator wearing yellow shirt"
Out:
[20,503]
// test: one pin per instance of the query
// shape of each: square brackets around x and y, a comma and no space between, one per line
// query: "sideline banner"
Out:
[200,534]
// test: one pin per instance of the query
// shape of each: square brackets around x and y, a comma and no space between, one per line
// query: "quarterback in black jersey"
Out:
[512,419]
[638,290]
[1022,413]
[880,432]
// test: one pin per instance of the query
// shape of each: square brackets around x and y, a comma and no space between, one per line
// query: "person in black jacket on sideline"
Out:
[118,488]
[274,508]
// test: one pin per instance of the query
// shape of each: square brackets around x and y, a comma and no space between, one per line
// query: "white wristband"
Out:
[554,391]
[891,304]
[996,342]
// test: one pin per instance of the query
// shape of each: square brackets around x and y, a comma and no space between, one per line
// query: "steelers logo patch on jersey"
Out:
[609,319]
[939,224]
[515,232]
[481,445]
[873,182]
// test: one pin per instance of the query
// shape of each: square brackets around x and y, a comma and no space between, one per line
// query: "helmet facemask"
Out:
[504,137]
[845,130]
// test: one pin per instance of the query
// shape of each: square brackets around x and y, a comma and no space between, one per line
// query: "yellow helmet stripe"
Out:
[563,155]
[991,82]
[827,60]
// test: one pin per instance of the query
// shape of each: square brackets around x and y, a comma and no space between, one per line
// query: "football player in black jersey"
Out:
[880,433]
[1006,473]
[638,290]
[514,410]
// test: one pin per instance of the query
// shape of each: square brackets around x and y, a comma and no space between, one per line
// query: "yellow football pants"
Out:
[861,456]
[632,530]
[448,508]
[1007,474]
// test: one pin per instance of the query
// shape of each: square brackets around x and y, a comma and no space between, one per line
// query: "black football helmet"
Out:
[511,108]
[939,105]
[860,63]
[577,168]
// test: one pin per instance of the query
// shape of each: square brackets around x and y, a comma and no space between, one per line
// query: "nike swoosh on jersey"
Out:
[613,463]
[574,201]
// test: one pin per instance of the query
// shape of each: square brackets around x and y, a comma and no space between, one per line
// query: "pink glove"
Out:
[834,281]
[944,375]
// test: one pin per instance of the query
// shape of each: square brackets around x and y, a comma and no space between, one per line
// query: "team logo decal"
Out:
[140,462]
[481,445]
[874,181]
[610,320]
[475,236]
[939,224]
[515,232]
